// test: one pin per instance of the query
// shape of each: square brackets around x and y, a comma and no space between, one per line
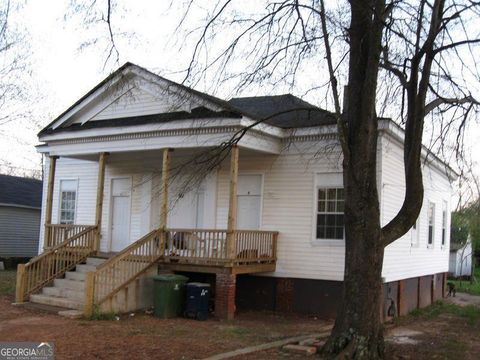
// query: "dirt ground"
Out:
[447,330]
[145,337]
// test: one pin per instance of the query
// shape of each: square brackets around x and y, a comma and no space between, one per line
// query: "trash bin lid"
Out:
[198,284]
[170,278]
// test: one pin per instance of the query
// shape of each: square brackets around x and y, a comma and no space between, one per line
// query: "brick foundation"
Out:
[321,297]
[225,286]
[284,296]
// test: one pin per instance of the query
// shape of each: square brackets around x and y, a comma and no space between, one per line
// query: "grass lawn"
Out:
[470,313]
[7,282]
[466,286]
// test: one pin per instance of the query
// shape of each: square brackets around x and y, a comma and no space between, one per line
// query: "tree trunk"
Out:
[358,331]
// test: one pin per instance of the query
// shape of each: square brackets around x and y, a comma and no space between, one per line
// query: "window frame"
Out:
[60,192]
[430,245]
[323,180]
[444,223]
[317,212]
[415,233]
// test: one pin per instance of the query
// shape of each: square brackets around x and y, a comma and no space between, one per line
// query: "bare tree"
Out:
[15,96]
[410,60]
[413,59]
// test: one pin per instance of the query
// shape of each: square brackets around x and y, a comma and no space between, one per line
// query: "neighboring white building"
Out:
[460,259]
[289,180]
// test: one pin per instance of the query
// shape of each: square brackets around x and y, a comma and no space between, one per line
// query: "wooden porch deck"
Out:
[202,250]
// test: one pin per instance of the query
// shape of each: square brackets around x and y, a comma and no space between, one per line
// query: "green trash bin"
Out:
[168,295]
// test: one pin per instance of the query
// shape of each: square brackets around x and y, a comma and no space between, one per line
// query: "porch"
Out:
[224,252]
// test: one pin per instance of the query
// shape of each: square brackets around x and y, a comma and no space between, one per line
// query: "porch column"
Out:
[100,188]
[164,195]
[48,210]
[232,204]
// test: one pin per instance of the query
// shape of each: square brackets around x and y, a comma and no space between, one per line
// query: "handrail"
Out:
[54,262]
[121,269]
[57,233]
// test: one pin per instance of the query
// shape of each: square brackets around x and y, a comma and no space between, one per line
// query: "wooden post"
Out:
[20,288]
[48,210]
[89,293]
[164,196]
[100,189]
[232,204]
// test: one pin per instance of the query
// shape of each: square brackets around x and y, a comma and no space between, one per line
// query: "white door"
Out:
[249,199]
[120,223]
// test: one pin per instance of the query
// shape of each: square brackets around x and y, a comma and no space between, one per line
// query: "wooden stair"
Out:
[68,292]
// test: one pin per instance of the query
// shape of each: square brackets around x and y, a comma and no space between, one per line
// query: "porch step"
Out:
[85,268]
[69,284]
[42,307]
[95,261]
[73,275]
[69,292]
[64,292]
[56,301]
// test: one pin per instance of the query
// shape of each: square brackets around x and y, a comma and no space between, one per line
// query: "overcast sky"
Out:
[66,58]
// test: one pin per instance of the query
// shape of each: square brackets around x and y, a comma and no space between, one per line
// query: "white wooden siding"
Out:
[137,102]
[289,188]
[402,260]
[288,207]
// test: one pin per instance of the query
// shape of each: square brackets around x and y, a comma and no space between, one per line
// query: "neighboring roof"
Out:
[280,111]
[18,191]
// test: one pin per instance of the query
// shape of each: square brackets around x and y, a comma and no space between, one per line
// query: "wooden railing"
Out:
[121,269]
[54,262]
[212,246]
[57,233]
[255,246]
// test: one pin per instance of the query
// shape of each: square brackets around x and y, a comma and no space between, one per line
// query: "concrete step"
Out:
[75,295]
[56,301]
[73,275]
[42,307]
[85,268]
[69,284]
[95,261]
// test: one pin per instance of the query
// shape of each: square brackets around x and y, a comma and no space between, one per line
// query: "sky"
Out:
[66,55]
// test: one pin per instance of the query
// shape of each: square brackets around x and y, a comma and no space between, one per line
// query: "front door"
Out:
[120,223]
[249,200]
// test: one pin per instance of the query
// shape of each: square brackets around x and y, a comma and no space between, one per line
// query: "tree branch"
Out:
[440,101]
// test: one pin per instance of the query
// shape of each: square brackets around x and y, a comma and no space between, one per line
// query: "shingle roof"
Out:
[20,191]
[285,111]
[197,113]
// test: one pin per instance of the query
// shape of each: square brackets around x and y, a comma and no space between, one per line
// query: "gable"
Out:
[133,92]
[138,102]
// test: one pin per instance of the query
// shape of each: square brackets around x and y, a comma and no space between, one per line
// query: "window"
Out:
[330,209]
[444,223]
[431,223]
[415,232]
[68,200]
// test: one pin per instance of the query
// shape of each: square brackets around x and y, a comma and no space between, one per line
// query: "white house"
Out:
[265,226]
